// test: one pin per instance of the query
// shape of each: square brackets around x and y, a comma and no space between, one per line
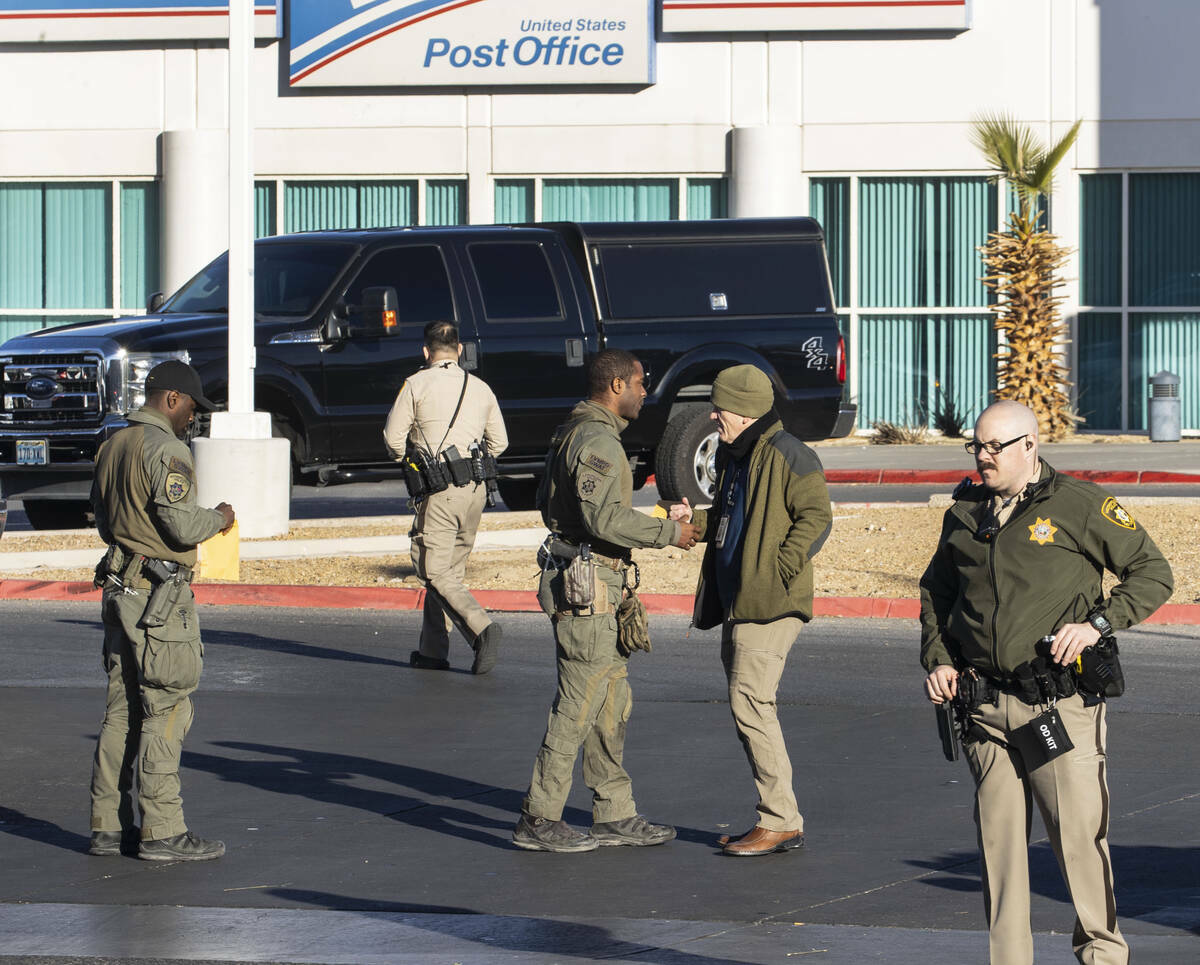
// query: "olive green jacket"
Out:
[144,492]
[788,519]
[987,603]
[587,491]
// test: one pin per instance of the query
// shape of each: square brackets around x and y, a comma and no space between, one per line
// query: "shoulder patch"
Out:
[1114,512]
[177,486]
[599,463]
[175,464]
[588,484]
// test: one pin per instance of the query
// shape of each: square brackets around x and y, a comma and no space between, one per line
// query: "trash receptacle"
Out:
[1164,407]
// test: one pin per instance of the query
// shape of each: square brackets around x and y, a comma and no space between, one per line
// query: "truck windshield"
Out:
[288,280]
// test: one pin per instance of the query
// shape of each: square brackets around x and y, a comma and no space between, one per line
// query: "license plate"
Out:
[33,452]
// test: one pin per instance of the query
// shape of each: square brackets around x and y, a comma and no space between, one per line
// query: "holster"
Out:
[579,580]
[165,595]
[1099,671]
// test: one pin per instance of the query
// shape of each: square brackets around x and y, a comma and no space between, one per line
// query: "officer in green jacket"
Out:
[770,517]
[1020,558]
[586,500]
[144,498]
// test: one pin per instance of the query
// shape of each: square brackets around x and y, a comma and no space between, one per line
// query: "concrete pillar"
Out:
[195,203]
[766,180]
[251,473]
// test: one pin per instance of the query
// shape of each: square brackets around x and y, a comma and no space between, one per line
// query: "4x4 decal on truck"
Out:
[814,348]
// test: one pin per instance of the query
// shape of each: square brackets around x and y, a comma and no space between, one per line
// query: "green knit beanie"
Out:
[745,390]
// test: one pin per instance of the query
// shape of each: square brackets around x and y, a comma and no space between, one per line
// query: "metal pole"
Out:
[241,209]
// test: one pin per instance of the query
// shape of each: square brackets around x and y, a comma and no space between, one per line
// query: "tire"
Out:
[59,514]
[685,462]
[519,492]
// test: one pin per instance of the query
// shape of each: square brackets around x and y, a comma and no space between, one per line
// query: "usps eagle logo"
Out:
[1042,532]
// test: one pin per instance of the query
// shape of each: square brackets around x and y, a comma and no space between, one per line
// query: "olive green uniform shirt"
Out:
[588,496]
[986,603]
[144,492]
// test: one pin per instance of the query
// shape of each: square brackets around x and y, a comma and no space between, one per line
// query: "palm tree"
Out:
[1022,266]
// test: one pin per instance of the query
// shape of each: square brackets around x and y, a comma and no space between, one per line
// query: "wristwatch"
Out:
[1097,619]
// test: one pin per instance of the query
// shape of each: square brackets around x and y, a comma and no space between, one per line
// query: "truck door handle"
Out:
[470,356]
[574,353]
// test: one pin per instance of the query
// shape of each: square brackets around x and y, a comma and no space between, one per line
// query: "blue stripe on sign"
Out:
[311,20]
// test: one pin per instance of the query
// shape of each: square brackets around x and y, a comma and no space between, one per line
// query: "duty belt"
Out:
[563,550]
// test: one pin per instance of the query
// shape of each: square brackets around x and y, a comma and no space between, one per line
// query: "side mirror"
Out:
[155,302]
[379,311]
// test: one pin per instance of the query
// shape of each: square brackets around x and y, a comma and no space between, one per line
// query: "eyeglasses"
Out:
[993,447]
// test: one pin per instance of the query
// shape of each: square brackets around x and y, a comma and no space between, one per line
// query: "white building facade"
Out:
[112,154]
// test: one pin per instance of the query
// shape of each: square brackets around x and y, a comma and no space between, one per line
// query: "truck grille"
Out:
[50,390]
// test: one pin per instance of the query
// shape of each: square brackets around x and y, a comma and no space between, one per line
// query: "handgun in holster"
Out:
[169,579]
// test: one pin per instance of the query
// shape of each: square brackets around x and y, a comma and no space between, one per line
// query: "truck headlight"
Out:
[133,368]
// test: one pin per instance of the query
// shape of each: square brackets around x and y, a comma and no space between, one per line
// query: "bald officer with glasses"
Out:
[1020,558]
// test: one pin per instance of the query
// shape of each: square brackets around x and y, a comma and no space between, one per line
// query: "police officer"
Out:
[586,499]
[144,498]
[1021,557]
[440,411]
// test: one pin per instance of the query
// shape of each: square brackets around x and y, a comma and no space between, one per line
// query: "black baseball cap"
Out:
[176,376]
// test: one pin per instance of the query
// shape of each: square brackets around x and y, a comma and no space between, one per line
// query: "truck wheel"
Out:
[58,514]
[519,492]
[685,462]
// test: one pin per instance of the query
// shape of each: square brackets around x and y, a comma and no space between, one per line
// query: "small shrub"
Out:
[894,434]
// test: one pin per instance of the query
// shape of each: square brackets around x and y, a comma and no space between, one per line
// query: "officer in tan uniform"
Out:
[442,412]
[144,498]
[587,500]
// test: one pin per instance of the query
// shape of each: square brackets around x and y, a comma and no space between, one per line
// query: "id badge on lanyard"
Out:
[723,525]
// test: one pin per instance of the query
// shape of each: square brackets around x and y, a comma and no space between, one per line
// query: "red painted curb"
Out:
[505,601]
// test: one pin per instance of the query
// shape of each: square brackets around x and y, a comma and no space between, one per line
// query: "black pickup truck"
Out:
[533,303]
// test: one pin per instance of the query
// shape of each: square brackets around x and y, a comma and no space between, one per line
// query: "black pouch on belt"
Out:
[1099,669]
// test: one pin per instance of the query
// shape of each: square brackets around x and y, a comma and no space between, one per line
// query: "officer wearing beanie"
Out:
[770,517]
[144,498]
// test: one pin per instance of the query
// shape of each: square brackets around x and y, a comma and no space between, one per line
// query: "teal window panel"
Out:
[13,325]
[829,202]
[514,201]
[317,206]
[621,199]
[1164,245]
[919,239]
[1100,239]
[139,243]
[21,232]
[78,245]
[707,198]
[1159,341]
[1098,375]
[264,209]
[912,366]
[446,202]
[387,204]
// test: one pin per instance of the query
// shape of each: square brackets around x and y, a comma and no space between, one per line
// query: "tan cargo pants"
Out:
[754,655]
[151,673]
[1072,794]
[591,709]
[443,537]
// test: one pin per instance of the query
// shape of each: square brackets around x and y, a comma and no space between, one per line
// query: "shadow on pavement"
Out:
[46,832]
[563,939]
[1153,883]
[254,641]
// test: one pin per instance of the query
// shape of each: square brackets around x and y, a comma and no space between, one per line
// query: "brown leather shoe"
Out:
[726,838]
[761,841]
